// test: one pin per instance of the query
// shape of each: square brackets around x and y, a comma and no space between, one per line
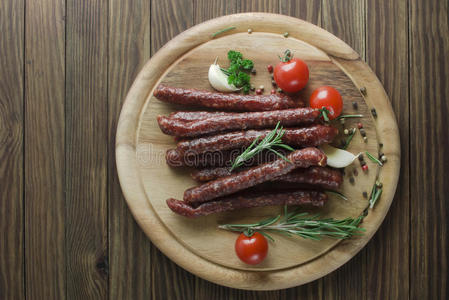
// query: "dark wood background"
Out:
[65,68]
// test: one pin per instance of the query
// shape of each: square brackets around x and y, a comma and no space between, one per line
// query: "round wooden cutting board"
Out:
[197,244]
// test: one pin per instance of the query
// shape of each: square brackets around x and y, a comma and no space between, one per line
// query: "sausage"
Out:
[237,121]
[216,159]
[297,137]
[324,177]
[247,178]
[224,101]
[195,115]
[246,200]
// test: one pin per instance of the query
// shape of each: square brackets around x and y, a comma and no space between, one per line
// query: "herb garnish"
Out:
[375,194]
[272,139]
[222,31]
[349,116]
[237,71]
[348,140]
[300,224]
[373,158]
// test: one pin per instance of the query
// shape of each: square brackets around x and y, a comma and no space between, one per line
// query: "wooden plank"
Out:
[271,6]
[44,150]
[129,248]
[169,18]
[87,155]
[11,150]
[205,9]
[346,19]
[429,107]
[308,10]
[387,269]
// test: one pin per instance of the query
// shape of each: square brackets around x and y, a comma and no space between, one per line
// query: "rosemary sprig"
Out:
[303,225]
[337,194]
[348,140]
[349,116]
[375,194]
[222,31]
[271,140]
[373,158]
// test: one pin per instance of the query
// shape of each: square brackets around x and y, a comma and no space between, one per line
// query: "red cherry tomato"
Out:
[327,96]
[251,250]
[291,76]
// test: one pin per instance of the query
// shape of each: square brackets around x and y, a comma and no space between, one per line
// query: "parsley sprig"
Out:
[238,70]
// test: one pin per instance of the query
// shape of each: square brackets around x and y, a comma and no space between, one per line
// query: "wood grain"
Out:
[45,150]
[87,151]
[308,10]
[258,6]
[11,150]
[129,248]
[346,20]
[169,18]
[429,188]
[387,254]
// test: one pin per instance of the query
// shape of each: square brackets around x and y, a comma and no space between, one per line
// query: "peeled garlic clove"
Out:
[338,158]
[219,80]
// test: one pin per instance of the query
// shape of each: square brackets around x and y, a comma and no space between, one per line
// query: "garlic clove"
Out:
[219,80]
[338,158]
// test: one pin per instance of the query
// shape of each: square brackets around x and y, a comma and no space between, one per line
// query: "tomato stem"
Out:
[288,55]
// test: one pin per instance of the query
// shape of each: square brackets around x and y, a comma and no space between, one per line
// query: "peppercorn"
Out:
[355,105]
[365,168]
[351,179]
[285,34]
[250,30]
[270,68]
[253,71]
[261,87]
[381,145]
[363,90]
[279,90]
[365,139]
[360,125]
[273,83]
[362,163]
[383,158]
[342,121]
[378,184]
[272,77]
[365,194]
[361,157]
[258,91]
[363,132]
[252,88]
[273,92]
[343,143]
[355,172]
[381,154]
[346,131]
[373,112]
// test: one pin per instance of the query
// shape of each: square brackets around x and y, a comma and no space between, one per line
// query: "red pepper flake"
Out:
[365,168]
[270,68]
[273,92]
[360,125]
[259,92]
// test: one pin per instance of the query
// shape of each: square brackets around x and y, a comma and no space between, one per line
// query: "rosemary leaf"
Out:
[348,140]
[349,116]
[222,31]
[373,158]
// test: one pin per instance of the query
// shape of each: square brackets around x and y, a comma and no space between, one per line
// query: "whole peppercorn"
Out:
[273,92]
[258,91]
[285,34]
[365,168]
[359,125]
[383,158]
[253,71]
[363,90]
[373,112]
[261,87]
[355,105]
[273,83]
[346,131]
[365,139]
[351,179]
[252,88]
[270,68]
[362,132]
[365,194]
[361,157]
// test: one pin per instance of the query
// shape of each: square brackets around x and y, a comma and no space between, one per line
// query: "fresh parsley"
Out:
[237,71]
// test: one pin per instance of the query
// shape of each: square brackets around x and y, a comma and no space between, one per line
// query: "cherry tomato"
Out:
[327,96]
[251,250]
[292,75]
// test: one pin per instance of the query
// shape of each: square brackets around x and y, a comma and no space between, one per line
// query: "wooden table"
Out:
[65,68]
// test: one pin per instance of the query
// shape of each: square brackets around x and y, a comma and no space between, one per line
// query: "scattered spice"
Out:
[346,131]
[273,83]
[253,71]
[362,163]
[273,92]
[261,87]
[250,30]
[374,159]
[363,90]
[363,132]
[365,139]
[361,157]
[285,34]
[365,168]
[378,184]
[351,180]
[360,125]
[279,90]
[272,77]
[383,158]
[365,194]
[381,145]
[223,31]
[355,105]
[348,140]
[259,92]
[373,112]
[356,172]
[252,88]
[270,68]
